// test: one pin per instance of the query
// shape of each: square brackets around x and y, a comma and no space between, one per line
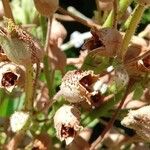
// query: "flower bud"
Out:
[139,120]
[19,46]
[46,7]
[79,86]
[11,75]
[19,121]
[67,123]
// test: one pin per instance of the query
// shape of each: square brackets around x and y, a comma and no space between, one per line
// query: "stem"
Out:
[115,19]
[123,5]
[7,9]
[48,73]
[97,142]
[136,16]
[29,87]
[89,23]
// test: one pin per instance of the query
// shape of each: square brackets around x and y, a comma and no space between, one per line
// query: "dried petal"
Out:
[139,120]
[11,75]
[67,123]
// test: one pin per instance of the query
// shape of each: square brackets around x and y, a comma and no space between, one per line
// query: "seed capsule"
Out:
[139,120]
[67,123]
[46,7]
[144,2]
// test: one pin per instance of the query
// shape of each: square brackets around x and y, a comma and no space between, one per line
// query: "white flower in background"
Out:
[19,120]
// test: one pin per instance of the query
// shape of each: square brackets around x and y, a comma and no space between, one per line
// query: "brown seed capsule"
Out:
[19,46]
[139,120]
[106,40]
[67,123]
[79,86]
[11,75]
[46,7]
[105,5]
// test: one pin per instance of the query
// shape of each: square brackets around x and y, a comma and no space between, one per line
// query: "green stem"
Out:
[29,87]
[123,5]
[136,16]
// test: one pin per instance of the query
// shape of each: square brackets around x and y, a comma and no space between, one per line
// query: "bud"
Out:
[46,7]
[18,45]
[19,121]
[67,123]
[11,75]
[79,86]
[139,120]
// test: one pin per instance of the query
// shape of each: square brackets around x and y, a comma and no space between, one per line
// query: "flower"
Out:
[67,123]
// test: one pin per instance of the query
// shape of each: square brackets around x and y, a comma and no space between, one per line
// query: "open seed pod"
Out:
[67,123]
[11,75]
[46,7]
[139,120]
[18,45]
[141,65]
[105,42]
[80,86]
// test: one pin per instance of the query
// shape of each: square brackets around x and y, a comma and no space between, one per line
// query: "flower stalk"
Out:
[136,16]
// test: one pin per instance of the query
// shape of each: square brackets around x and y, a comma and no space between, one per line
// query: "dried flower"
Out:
[139,120]
[46,7]
[11,75]
[79,86]
[18,45]
[19,121]
[107,40]
[67,123]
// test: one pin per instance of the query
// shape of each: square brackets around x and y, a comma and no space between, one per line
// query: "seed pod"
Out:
[67,123]
[106,40]
[139,120]
[78,86]
[144,2]
[11,75]
[19,46]
[19,121]
[46,7]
